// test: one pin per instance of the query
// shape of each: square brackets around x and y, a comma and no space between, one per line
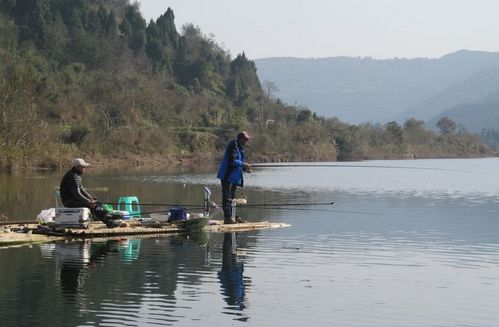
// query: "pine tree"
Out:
[133,28]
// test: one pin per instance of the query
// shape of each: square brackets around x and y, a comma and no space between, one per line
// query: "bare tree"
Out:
[446,126]
[270,89]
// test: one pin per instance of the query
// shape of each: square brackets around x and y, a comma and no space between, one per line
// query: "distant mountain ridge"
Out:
[359,90]
[475,116]
[476,88]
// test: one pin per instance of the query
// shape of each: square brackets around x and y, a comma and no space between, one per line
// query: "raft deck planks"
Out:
[98,229]
[7,239]
[219,226]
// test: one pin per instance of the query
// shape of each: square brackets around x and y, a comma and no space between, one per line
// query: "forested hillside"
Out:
[93,78]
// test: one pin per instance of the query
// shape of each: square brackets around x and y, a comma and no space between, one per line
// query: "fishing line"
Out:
[193,206]
[265,165]
[287,204]
[295,209]
[325,210]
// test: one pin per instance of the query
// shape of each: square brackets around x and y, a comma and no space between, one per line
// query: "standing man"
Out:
[231,174]
[74,195]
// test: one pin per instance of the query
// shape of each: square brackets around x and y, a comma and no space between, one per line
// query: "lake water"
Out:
[407,243]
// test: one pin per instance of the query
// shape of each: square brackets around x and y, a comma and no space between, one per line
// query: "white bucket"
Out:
[160,217]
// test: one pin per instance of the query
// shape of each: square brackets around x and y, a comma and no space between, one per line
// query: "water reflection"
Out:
[131,250]
[145,282]
[74,258]
[232,282]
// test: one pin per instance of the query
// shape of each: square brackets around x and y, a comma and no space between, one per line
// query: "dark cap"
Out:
[243,135]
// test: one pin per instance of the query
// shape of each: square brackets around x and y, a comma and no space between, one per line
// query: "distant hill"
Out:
[360,90]
[474,116]
[474,89]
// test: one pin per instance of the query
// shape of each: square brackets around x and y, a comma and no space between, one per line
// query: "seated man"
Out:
[74,195]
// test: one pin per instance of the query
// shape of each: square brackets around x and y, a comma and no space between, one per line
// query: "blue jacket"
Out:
[232,166]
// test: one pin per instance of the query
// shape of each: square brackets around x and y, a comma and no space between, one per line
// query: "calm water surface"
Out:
[407,243]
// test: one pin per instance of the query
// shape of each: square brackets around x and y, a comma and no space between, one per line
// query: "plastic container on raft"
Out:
[72,217]
[160,217]
[130,204]
[177,214]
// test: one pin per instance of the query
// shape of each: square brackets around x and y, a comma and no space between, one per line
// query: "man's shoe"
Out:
[229,221]
[113,223]
[240,220]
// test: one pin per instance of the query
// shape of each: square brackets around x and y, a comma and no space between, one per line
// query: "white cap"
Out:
[244,135]
[79,162]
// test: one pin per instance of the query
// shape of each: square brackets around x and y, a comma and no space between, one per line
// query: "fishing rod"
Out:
[164,211]
[194,206]
[288,204]
[327,210]
[294,165]
[295,209]
[267,205]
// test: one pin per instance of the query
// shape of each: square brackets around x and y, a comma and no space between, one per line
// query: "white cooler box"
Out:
[73,217]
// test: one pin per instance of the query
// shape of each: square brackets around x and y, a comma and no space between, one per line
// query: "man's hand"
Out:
[92,204]
[247,167]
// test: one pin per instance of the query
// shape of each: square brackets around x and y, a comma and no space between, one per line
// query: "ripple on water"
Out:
[426,276]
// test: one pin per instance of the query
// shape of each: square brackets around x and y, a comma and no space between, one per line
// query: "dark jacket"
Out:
[232,166]
[72,189]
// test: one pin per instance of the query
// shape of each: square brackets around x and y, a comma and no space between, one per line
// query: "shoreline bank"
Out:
[191,161]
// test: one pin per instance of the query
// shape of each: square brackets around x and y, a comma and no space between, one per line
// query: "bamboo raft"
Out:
[34,233]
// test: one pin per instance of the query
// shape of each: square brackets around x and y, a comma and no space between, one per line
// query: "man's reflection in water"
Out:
[74,258]
[231,276]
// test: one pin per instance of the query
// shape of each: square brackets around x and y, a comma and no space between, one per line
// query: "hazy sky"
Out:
[327,28]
